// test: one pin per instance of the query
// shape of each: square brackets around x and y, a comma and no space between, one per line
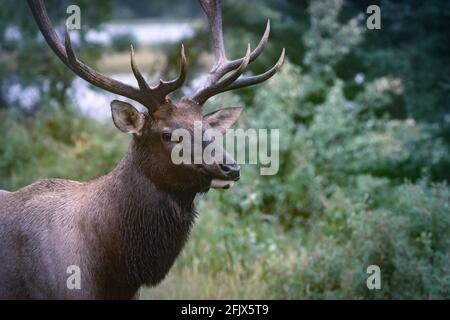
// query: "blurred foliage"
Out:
[19,36]
[354,182]
[55,143]
[415,46]
[121,42]
[143,9]
[364,156]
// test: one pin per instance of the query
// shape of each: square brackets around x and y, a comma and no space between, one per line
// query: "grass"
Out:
[215,263]
[190,282]
[194,277]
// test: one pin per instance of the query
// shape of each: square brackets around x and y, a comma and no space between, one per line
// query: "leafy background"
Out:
[364,145]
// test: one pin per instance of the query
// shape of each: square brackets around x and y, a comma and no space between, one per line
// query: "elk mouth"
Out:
[221,184]
[221,176]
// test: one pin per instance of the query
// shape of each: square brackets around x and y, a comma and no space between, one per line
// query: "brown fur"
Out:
[123,230]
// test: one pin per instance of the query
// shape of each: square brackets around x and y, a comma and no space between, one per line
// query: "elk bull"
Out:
[125,229]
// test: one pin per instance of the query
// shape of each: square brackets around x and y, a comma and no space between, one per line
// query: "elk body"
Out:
[125,229]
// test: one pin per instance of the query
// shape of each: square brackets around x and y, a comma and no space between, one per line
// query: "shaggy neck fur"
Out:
[146,225]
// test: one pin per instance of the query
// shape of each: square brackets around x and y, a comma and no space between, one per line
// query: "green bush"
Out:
[404,239]
[55,144]
[339,202]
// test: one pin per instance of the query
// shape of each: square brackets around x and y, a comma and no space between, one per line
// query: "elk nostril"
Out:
[230,170]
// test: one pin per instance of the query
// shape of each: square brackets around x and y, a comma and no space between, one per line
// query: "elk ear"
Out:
[126,118]
[223,119]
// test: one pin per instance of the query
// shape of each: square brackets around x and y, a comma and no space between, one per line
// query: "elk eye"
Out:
[166,137]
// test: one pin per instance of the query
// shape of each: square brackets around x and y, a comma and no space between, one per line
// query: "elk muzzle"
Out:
[224,173]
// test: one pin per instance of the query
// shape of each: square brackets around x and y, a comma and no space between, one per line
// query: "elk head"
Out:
[152,129]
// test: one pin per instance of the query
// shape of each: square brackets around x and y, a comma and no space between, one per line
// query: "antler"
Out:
[151,98]
[214,83]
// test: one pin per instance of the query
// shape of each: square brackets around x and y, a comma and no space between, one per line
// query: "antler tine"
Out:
[158,94]
[166,87]
[255,53]
[213,11]
[137,74]
[242,82]
[217,87]
[213,84]
[248,81]
[85,72]
[237,73]
[151,98]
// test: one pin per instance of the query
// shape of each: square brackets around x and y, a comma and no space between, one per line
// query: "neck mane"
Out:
[144,227]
